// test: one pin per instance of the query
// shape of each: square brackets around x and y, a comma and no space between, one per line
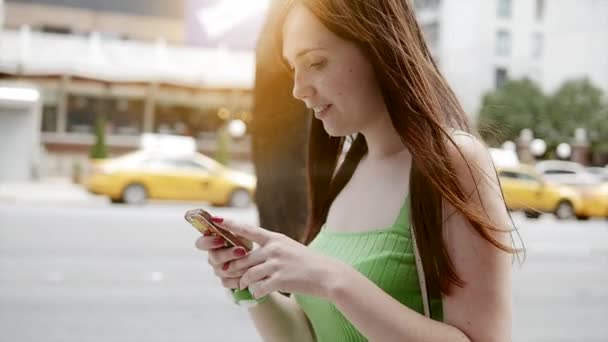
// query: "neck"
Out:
[383,141]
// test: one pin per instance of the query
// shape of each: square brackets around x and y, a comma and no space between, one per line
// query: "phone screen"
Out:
[201,220]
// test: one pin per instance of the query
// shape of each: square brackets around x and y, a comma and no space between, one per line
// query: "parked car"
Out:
[600,172]
[142,175]
[526,190]
[593,191]
[566,172]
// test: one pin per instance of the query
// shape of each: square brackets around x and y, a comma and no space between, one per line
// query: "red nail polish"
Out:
[226,265]
[239,252]
[219,240]
[217,219]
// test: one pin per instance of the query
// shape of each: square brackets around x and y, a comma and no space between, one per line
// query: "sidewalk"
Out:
[48,191]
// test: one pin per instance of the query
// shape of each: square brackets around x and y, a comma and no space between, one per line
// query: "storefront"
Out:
[180,90]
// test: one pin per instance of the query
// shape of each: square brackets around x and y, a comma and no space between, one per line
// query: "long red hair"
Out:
[423,110]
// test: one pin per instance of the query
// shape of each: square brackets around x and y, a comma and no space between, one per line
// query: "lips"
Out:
[321,111]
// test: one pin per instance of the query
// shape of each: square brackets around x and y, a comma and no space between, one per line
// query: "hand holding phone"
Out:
[202,221]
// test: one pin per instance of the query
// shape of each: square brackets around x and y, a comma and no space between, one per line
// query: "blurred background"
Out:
[116,116]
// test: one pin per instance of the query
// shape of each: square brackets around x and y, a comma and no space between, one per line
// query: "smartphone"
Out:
[201,220]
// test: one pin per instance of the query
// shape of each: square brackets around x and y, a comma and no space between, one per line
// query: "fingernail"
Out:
[239,252]
[219,240]
[217,219]
[226,265]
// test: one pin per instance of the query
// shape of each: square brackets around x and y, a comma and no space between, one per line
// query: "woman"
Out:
[415,165]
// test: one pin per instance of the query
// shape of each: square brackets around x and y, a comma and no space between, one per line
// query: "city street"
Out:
[116,273]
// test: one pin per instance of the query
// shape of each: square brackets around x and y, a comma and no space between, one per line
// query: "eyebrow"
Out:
[303,52]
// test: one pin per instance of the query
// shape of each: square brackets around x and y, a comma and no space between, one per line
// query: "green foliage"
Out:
[99,149]
[222,154]
[505,112]
[577,104]
[521,104]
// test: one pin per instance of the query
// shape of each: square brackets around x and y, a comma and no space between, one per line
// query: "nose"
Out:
[302,88]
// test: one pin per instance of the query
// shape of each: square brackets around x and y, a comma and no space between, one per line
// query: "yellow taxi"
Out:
[526,190]
[142,175]
[591,187]
[595,201]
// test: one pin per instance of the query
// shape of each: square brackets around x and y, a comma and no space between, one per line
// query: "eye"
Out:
[317,65]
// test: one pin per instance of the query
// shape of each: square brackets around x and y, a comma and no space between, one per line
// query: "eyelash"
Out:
[317,65]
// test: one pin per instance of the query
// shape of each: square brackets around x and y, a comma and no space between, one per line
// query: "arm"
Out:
[481,311]
[280,318]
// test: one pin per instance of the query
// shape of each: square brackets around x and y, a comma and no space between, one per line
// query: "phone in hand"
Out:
[201,220]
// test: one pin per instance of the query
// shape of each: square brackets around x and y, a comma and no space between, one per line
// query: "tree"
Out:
[514,106]
[279,131]
[99,149]
[577,104]
[222,153]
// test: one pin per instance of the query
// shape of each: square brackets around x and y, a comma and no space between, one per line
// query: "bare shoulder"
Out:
[476,174]
[482,308]
[471,159]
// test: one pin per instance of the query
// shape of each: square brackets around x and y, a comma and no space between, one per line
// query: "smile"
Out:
[321,112]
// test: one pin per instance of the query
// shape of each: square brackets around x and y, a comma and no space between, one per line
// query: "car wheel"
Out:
[239,198]
[532,214]
[564,210]
[135,194]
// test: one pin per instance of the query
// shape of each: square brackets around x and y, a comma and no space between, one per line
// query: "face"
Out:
[331,75]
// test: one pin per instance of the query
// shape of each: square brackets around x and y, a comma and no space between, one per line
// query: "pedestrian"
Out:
[408,237]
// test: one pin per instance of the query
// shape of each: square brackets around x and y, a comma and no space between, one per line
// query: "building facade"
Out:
[479,44]
[129,62]
[134,20]
[123,62]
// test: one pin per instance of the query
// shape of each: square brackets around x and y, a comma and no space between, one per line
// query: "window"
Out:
[123,116]
[518,175]
[540,9]
[503,43]
[81,114]
[559,172]
[527,177]
[186,120]
[508,174]
[55,29]
[501,77]
[504,8]
[187,164]
[537,45]
[49,118]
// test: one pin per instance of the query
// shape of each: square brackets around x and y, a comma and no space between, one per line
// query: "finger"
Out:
[257,273]
[250,232]
[230,283]
[225,255]
[252,258]
[263,287]
[206,243]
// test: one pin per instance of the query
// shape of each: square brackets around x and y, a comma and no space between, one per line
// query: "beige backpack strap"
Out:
[421,277]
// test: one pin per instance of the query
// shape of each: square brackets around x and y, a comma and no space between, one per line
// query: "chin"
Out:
[336,131]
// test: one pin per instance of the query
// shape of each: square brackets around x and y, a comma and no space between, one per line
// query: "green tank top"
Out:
[385,256]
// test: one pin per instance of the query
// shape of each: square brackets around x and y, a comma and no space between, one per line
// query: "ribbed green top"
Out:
[384,256]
